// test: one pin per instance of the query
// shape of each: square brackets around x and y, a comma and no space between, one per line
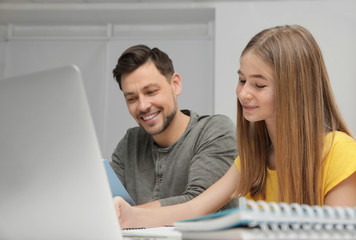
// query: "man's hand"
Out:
[124,212]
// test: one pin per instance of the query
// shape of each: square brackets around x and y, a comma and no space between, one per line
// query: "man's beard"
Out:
[166,122]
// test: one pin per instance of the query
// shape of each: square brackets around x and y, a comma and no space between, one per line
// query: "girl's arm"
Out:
[209,201]
[343,194]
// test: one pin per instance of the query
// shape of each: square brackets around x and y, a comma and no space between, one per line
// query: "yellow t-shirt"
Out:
[339,164]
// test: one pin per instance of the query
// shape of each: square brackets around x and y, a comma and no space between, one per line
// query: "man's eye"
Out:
[152,91]
[129,100]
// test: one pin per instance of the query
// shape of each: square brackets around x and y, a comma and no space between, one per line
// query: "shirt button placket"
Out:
[159,174]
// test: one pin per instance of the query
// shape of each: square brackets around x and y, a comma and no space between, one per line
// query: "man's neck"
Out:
[174,131]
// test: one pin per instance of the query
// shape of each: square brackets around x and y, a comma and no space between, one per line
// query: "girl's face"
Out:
[256,89]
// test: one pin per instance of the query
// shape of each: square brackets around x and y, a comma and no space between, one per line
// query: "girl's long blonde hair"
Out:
[305,112]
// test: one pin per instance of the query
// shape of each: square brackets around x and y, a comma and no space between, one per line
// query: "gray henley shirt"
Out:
[181,171]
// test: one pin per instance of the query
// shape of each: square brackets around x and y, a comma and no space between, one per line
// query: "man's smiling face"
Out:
[151,99]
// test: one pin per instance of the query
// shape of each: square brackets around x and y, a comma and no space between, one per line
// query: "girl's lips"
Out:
[246,107]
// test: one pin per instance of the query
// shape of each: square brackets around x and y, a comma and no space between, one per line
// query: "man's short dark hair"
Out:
[136,56]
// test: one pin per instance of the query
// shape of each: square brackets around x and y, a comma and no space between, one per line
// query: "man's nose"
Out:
[144,104]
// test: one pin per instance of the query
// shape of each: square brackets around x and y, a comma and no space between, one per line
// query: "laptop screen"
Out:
[53,184]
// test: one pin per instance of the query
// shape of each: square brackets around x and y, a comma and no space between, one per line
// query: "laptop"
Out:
[53,183]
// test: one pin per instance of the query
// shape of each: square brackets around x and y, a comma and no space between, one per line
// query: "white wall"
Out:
[25,56]
[95,50]
[332,23]
[204,39]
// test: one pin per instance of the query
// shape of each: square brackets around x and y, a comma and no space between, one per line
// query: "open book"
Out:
[157,233]
[262,220]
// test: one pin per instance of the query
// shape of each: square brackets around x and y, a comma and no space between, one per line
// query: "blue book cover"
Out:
[117,188]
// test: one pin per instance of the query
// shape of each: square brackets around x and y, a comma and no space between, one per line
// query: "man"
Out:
[173,155]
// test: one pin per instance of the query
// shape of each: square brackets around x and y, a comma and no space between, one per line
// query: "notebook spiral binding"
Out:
[300,221]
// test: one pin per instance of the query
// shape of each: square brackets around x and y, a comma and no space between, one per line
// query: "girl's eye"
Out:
[260,86]
[242,80]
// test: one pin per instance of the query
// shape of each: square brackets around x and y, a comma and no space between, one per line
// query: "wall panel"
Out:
[332,23]
[95,51]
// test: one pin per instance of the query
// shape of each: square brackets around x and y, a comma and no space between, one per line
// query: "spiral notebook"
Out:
[262,220]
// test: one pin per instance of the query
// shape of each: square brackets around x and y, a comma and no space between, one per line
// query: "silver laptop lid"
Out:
[53,184]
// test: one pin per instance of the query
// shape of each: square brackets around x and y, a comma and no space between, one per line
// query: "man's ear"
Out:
[176,84]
